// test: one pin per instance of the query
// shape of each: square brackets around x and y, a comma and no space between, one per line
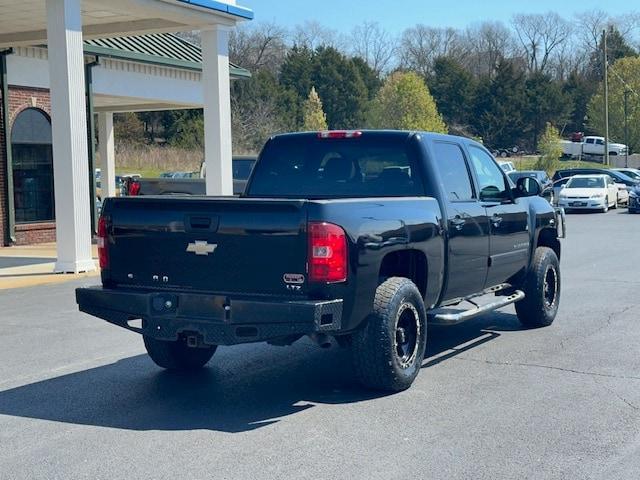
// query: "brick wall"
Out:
[21,98]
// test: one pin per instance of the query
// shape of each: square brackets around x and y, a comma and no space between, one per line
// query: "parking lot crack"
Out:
[548,367]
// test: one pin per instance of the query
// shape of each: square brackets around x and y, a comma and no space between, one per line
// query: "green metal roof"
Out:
[156,48]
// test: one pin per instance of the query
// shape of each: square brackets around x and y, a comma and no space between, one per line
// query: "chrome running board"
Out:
[451,316]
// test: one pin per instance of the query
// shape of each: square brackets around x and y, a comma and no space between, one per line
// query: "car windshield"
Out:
[631,174]
[586,182]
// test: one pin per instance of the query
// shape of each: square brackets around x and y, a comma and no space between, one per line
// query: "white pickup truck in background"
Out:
[591,146]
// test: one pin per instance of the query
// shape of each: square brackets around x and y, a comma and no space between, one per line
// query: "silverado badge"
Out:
[201,247]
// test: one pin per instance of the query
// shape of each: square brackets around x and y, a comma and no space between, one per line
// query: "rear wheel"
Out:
[388,350]
[542,290]
[176,355]
[615,204]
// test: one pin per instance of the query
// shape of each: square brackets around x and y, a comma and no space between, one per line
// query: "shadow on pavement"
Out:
[244,388]
[12,262]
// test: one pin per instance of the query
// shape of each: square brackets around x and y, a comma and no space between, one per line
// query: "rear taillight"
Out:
[339,134]
[327,253]
[103,252]
[134,188]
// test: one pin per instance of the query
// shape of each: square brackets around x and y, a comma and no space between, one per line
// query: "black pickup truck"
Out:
[357,237]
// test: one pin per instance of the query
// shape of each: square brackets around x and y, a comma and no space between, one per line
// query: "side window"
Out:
[589,140]
[599,142]
[453,171]
[490,178]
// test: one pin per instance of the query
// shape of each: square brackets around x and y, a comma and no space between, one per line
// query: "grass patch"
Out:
[150,160]
[529,163]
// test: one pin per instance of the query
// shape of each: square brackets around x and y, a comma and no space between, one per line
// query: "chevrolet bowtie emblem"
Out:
[200,247]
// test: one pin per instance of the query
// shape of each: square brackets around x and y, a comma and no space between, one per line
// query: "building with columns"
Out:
[66,63]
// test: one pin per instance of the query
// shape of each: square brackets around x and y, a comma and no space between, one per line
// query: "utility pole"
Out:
[626,127]
[606,98]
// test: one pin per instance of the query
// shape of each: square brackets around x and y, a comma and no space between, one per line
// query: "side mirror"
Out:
[562,186]
[528,187]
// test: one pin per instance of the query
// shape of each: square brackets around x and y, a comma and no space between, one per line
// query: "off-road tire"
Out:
[176,355]
[541,289]
[378,347]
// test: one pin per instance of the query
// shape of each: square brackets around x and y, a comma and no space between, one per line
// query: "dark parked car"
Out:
[188,183]
[542,178]
[358,236]
[539,175]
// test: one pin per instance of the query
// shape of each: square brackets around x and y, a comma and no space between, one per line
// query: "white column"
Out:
[107,154]
[69,125]
[217,111]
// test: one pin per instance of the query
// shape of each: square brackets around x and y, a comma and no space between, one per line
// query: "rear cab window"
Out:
[305,166]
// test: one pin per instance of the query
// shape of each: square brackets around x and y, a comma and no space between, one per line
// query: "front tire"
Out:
[605,209]
[176,355]
[542,290]
[388,350]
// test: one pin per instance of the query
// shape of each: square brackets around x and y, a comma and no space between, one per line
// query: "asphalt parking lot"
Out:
[79,399]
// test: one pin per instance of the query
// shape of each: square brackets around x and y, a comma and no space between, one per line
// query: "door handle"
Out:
[458,222]
[496,220]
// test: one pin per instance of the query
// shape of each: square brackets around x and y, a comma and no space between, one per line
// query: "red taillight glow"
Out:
[339,134]
[103,252]
[327,253]
[134,188]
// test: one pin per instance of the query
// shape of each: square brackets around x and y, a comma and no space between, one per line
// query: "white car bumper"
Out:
[587,203]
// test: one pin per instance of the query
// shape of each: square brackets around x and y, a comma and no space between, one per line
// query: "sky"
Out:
[395,16]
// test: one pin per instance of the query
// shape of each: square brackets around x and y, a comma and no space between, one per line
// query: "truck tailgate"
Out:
[225,245]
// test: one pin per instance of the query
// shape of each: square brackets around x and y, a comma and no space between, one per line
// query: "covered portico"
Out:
[63,25]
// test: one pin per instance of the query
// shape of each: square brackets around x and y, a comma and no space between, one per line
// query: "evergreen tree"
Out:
[339,84]
[617,47]
[545,102]
[404,103]
[453,90]
[369,77]
[337,79]
[578,91]
[313,114]
[499,107]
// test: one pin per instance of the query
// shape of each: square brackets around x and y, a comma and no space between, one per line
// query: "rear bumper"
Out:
[218,319]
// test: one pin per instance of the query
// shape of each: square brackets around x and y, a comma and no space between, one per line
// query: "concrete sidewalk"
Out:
[32,265]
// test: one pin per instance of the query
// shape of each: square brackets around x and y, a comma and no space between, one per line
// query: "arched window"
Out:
[32,153]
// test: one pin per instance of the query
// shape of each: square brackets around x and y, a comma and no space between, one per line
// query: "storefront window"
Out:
[32,167]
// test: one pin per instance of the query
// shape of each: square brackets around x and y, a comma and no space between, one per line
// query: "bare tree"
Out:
[374,44]
[539,36]
[421,45]
[589,26]
[312,35]
[485,45]
[261,46]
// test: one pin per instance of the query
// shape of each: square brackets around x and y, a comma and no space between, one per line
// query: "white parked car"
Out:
[589,192]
